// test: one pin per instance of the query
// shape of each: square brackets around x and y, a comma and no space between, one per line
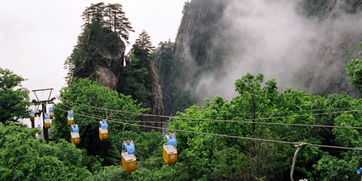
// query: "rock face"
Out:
[340,22]
[199,28]
[303,45]
[101,56]
[106,77]
[109,61]
[158,108]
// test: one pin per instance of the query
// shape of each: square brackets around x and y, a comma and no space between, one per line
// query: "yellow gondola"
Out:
[169,151]
[39,134]
[47,121]
[70,118]
[103,134]
[74,134]
[32,115]
[128,156]
[51,112]
[103,130]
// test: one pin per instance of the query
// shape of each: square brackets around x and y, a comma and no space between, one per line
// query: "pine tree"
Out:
[144,42]
[111,16]
[117,20]
[137,78]
[105,30]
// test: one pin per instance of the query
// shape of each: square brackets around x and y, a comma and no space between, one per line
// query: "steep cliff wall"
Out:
[157,107]
[302,44]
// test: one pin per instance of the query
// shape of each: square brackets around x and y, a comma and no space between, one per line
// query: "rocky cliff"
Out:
[302,44]
[99,56]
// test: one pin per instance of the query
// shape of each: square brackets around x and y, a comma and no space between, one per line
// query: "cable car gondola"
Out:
[128,156]
[103,130]
[74,134]
[39,134]
[47,121]
[51,112]
[169,151]
[70,117]
[32,115]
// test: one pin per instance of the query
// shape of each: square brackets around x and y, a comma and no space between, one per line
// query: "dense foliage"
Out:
[101,43]
[99,55]
[89,100]
[111,16]
[13,97]
[79,96]
[201,157]
[22,157]
[354,71]
[136,79]
[217,158]
[95,42]
[208,155]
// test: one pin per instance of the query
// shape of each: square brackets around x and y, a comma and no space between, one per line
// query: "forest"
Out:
[264,132]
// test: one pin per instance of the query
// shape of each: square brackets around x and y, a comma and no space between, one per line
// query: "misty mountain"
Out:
[303,44]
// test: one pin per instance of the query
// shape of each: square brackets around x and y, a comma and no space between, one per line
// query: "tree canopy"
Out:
[216,158]
[218,140]
[201,156]
[22,157]
[13,97]
[354,71]
[100,49]
[83,96]
[137,79]
[111,16]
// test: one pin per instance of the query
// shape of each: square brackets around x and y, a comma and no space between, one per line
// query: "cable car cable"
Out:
[229,136]
[352,109]
[203,119]
[256,122]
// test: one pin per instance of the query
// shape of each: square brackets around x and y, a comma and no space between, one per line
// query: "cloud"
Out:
[274,38]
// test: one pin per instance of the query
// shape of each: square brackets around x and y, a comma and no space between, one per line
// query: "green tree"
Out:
[111,16]
[137,79]
[85,97]
[101,44]
[22,157]
[95,48]
[13,97]
[216,158]
[333,168]
[354,71]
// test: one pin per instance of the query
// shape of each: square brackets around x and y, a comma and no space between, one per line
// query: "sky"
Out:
[37,36]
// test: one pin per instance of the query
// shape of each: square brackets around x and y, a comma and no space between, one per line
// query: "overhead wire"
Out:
[244,113]
[241,121]
[203,119]
[221,135]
